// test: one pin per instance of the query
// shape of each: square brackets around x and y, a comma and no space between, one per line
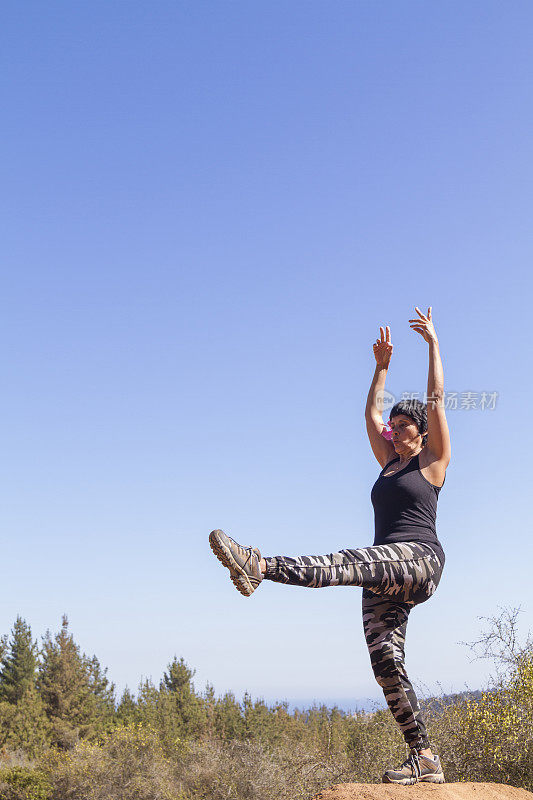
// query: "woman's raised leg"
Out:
[407,571]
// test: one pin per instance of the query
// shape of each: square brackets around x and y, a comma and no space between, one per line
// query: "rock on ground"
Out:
[424,791]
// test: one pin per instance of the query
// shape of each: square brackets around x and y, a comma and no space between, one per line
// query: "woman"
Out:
[404,566]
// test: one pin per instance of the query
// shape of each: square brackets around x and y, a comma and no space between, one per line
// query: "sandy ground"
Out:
[446,791]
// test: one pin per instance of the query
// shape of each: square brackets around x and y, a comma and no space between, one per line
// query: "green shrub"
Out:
[491,738]
[128,763]
[23,783]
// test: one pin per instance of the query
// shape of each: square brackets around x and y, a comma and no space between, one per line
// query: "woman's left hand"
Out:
[424,326]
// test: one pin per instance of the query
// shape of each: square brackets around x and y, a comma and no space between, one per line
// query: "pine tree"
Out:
[229,723]
[147,702]
[184,711]
[210,710]
[128,710]
[23,722]
[259,721]
[19,665]
[64,684]
[28,729]
[102,690]
[179,677]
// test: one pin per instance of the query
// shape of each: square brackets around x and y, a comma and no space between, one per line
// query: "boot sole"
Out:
[241,581]
[439,778]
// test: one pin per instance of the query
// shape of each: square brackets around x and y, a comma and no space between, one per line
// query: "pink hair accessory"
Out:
[387,433]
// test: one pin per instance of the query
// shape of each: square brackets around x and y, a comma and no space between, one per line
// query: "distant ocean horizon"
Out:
[346,704]
[351,705]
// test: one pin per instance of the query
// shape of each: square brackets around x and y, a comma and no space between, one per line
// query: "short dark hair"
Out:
[416,410]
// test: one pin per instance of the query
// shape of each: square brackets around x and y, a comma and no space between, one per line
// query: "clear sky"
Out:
[208,209]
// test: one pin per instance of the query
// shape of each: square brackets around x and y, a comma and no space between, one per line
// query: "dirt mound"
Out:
[446,791]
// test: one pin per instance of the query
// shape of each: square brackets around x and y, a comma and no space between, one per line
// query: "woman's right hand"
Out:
[383,348]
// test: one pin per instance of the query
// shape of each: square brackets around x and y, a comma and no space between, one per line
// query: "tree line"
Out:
[56,696]
[64,734]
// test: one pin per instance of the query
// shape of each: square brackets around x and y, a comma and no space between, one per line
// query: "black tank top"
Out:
[405,507]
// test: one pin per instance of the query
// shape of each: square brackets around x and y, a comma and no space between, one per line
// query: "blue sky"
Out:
[208,209]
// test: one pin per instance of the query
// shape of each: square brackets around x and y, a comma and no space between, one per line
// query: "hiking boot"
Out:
[242,562]
[414,769]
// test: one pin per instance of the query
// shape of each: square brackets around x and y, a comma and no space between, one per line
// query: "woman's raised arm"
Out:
[438,441]
[381,447]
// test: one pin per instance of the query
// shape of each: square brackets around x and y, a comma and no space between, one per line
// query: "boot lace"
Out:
[413,762]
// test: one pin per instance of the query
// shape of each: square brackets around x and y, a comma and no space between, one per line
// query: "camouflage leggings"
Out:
[395,578]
